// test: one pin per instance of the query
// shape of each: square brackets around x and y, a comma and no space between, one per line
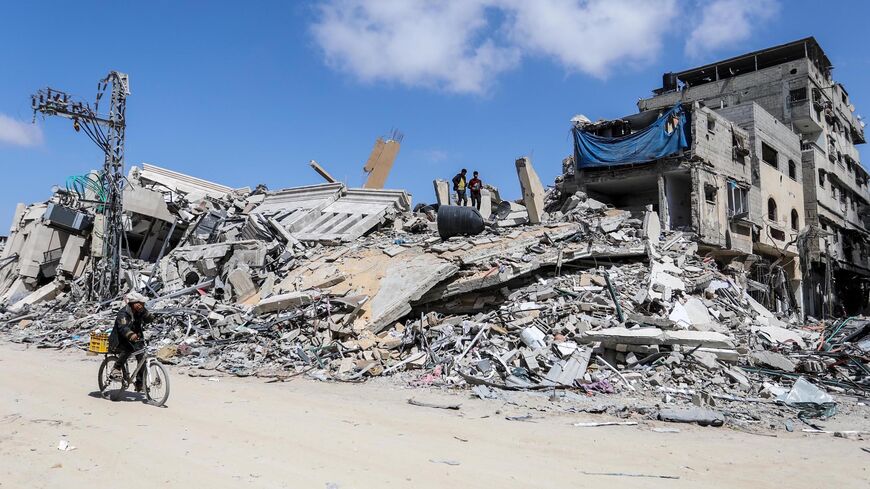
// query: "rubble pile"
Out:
[349,284]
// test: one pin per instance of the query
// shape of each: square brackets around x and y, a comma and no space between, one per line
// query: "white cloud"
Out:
[592,37]
[413,42]
[463,45]
[19,133]
[724,22]
[433,155]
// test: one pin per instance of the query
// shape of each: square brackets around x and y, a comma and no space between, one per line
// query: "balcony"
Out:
[803,112]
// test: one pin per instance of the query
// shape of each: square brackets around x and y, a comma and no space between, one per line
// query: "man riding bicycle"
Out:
[127,335]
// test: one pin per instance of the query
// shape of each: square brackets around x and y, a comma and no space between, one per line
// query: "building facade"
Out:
[793,83]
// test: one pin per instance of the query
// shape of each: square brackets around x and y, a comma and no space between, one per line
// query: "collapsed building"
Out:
[765,171]
[655,266]
[56,241]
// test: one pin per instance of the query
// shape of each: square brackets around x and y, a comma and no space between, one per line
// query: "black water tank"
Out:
[455,220]
[669,82]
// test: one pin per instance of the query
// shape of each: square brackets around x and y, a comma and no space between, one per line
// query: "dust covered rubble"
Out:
[591,302]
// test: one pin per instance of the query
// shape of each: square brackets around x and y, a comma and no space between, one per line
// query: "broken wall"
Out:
[779,182]
[716,141]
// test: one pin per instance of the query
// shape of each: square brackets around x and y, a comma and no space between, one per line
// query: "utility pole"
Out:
[107,132]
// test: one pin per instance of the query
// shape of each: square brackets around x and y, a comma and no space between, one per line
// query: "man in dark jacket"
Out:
[459,185]
[127,335]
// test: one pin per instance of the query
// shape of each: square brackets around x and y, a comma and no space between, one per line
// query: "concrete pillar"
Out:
[696,196]
[485,203]
[533,190]
[442,192]
[664,215]
[652,228]
[380,162]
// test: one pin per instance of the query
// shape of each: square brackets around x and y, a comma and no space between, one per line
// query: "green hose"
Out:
[837,330]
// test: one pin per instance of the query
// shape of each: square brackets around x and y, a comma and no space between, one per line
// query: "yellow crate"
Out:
[99,343]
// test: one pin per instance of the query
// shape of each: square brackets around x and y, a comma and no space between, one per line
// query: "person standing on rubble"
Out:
[127,335]
[475,186]
[459,184]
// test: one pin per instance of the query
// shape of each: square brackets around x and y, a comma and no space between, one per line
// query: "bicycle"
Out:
[155,380]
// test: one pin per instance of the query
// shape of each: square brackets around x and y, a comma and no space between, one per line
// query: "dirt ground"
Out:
[234,432]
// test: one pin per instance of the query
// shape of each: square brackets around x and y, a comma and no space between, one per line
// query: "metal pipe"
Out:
[178,293]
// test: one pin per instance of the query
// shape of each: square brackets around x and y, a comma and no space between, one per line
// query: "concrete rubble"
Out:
[559,293]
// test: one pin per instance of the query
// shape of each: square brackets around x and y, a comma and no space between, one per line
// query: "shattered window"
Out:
[710,194]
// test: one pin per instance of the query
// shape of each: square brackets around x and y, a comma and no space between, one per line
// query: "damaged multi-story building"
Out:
[756,155]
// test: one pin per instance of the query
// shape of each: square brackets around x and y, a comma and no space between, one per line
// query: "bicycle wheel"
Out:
[157,385]
[111,387]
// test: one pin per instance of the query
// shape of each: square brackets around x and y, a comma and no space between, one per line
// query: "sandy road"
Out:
[301,434]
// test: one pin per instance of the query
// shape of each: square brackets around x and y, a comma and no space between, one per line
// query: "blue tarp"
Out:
[668,135]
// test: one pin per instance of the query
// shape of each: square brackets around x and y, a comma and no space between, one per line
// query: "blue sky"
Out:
[248,93]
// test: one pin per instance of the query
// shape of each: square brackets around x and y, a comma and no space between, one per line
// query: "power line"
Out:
[106,277]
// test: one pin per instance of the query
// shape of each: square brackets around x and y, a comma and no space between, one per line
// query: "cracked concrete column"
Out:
[533,190]
[664,215]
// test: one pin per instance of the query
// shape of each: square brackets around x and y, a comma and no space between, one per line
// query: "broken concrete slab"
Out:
[652,226]
[777,335]
[757,307]
[404,282]
[180,182]
[701,416]
[709,360]
[722,354]
[46,292]
[282,302]
[664,280]
[691,314]
[773,360]
[709,339]
[348,218]
[147,202]
[619,335]
[243,286]
[72,254]
[295,207]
